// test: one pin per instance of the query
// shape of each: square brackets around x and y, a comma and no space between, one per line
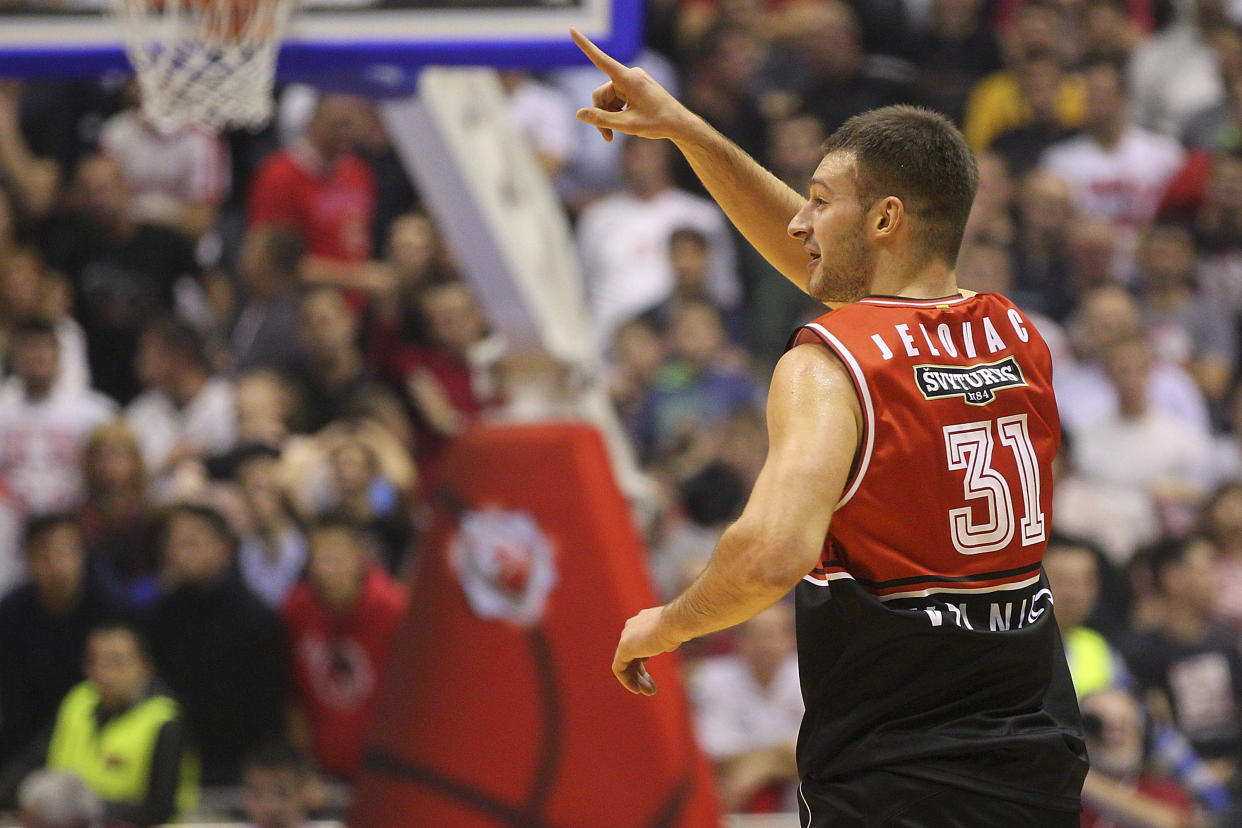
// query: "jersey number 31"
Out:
[969,447]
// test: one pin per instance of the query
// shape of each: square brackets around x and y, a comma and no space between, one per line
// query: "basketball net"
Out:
[210,61]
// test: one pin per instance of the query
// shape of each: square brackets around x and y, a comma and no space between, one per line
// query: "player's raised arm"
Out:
[758,203]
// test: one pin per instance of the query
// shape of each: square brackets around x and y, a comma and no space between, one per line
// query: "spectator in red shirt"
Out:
[321,189]
[341,622]
[445,381]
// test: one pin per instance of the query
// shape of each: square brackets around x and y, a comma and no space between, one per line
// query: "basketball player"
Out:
[906,492]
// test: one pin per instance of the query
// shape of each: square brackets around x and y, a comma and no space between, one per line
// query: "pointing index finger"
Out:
[602,60]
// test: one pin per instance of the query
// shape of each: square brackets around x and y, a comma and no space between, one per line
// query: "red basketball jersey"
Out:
[926,640]
[951,492]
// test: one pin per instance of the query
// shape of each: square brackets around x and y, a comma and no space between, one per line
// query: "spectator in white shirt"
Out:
[623,240]
[748,707]
[544,116]
[176,177]
[184,412]
[1116,518]
[594,168]
[1115,169]
[1142,448]
[1174,74]
[43,426]
[1109,313]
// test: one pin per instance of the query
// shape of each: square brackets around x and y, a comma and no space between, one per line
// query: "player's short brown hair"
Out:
[920,157]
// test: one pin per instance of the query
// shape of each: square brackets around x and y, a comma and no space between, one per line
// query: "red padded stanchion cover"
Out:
[500,708]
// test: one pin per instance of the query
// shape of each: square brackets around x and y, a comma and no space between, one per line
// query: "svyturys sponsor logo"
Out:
[976,384]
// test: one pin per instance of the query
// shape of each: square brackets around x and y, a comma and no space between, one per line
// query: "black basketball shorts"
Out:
[880,799]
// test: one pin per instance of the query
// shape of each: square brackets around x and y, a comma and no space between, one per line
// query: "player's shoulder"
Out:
[807,361]
[810,378]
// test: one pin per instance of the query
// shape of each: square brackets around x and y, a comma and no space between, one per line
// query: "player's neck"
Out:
[927,279]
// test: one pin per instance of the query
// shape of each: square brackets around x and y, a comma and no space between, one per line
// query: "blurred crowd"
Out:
[232,364]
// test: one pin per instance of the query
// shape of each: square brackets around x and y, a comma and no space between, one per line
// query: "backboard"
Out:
[373,46]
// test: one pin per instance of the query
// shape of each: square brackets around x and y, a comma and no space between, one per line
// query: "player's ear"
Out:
[888,215]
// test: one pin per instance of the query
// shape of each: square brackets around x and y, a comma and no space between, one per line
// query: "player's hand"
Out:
[631,101]
[644,636]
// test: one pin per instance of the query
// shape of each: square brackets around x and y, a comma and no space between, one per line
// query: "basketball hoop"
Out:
[211,61]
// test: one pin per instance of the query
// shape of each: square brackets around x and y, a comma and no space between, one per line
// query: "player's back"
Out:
[926,637]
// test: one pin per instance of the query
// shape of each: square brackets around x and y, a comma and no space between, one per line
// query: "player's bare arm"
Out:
[814,428]
[758,203]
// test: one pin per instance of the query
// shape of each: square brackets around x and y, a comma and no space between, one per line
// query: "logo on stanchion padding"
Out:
[505,564]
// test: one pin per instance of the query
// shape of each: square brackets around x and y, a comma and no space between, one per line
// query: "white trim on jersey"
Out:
[924,593]
[802,796]
[912,303]
[868,408]
[822,580]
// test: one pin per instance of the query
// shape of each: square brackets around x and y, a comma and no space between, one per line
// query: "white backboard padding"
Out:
[500,217]
[495,208]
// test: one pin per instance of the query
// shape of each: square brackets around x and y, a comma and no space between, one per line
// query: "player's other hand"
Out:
[644,636]
[631,101]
